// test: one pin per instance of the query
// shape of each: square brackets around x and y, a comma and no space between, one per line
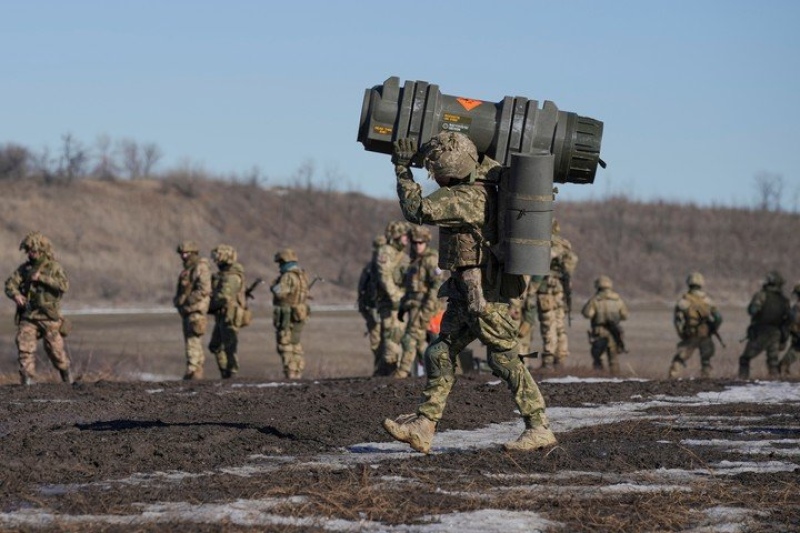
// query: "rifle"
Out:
[248,293]
[618,334]
[712,327]
[313,281]
[566,282]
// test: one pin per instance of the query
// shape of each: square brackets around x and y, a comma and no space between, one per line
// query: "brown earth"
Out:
[256,454]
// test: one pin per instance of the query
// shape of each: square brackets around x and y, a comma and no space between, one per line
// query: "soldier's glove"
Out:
[404,151]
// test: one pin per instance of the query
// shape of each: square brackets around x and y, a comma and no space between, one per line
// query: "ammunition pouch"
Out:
[300,312]
[242,317]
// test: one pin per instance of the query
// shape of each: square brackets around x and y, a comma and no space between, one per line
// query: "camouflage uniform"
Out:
[421,301]
[465,209]
[769,325]
[605,310]
[696,318]
[794,331]
[290,312]
[524,311]
[391,262]
[367,301]
[192,297]
[552,306]
[228,305]
[37,287]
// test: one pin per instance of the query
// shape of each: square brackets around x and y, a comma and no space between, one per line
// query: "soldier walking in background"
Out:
[554,300]
[421,300]
[769,325]
[605,310]
[37,287]
[465,209]
[290,311]
[228,305]
[696,319]
[392,262]
[192,298]
[367,301]
[794,332]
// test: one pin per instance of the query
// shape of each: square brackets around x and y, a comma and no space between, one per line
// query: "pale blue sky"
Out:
[697,97]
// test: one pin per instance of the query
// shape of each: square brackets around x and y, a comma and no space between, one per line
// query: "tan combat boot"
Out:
[533,438]
[675,368]
[416,430]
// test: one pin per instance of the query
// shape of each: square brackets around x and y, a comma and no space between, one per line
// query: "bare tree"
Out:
[151,155]
[769,187]
[73,159]
[106,167]
[14,161]
[132,159]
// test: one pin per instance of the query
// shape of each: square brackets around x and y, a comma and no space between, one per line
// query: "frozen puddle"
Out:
[780,454]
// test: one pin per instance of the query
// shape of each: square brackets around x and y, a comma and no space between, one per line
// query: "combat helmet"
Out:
[395,230]
[420,234]
[36,242]
[695,279]
[774,278]
[450,155]
[285,256]
[188,247]
[378,241]
[224,254]
[603,282]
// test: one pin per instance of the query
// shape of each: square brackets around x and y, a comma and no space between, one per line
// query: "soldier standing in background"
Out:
[367,301]
[696,319]
[392,262]
[465,209]
[290,312]
[794,332]
[605,310]
[524,310]
[228,305]
[37,287]
[192,297]
[421,300]
[769,325]
[554,300]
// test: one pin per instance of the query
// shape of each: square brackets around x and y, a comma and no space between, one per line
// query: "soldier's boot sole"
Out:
[531,440]
[415,430]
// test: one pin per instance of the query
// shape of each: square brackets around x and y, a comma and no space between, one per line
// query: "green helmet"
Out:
[188,247]
[378,241]
[420,234]
[286,255]
[774,278]
[603,282]
[695,279]
[36,242]
[224,254]
[395,230]
[450,155]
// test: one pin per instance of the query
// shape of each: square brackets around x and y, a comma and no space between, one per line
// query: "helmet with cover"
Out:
[450,156]
[774,278]
[36,242]
[695,279]
[224,254]
[188,247]
[285,256]
[395,230]
[603,282]
[420,234]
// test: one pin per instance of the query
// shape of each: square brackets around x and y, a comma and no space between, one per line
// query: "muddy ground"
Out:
[116,453]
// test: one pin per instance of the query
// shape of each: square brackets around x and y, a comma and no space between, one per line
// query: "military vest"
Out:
[608,309]
[300,293]
[467,245]
[774,310]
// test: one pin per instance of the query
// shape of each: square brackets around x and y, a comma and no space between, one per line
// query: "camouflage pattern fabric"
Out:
[605,310]
[552,305]
[367,307]
[465,232]
[793,352]
[694,312]
[419,304]
[40,316]
[192,299]
[289,315]
[392,262]
[227,303]
[769,320]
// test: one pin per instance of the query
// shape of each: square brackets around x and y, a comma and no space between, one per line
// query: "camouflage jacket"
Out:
[563,262]
[466,214]
[695,315]
[43,296]
[769,308]
[605,307]
[227,291]
[291,287]
[422,282]
[391,265]
[193,293]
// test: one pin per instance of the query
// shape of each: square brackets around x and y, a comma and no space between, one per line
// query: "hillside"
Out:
[117,238]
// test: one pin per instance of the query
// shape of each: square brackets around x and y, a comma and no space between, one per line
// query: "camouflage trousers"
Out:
[554,335]
[291,350]
[28,334]
[603,343]
[765,340]
[390,350]
[414,341]
[498,331]
[194,327]
[224,345]
[686,347]
[792,354]
[373,335]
